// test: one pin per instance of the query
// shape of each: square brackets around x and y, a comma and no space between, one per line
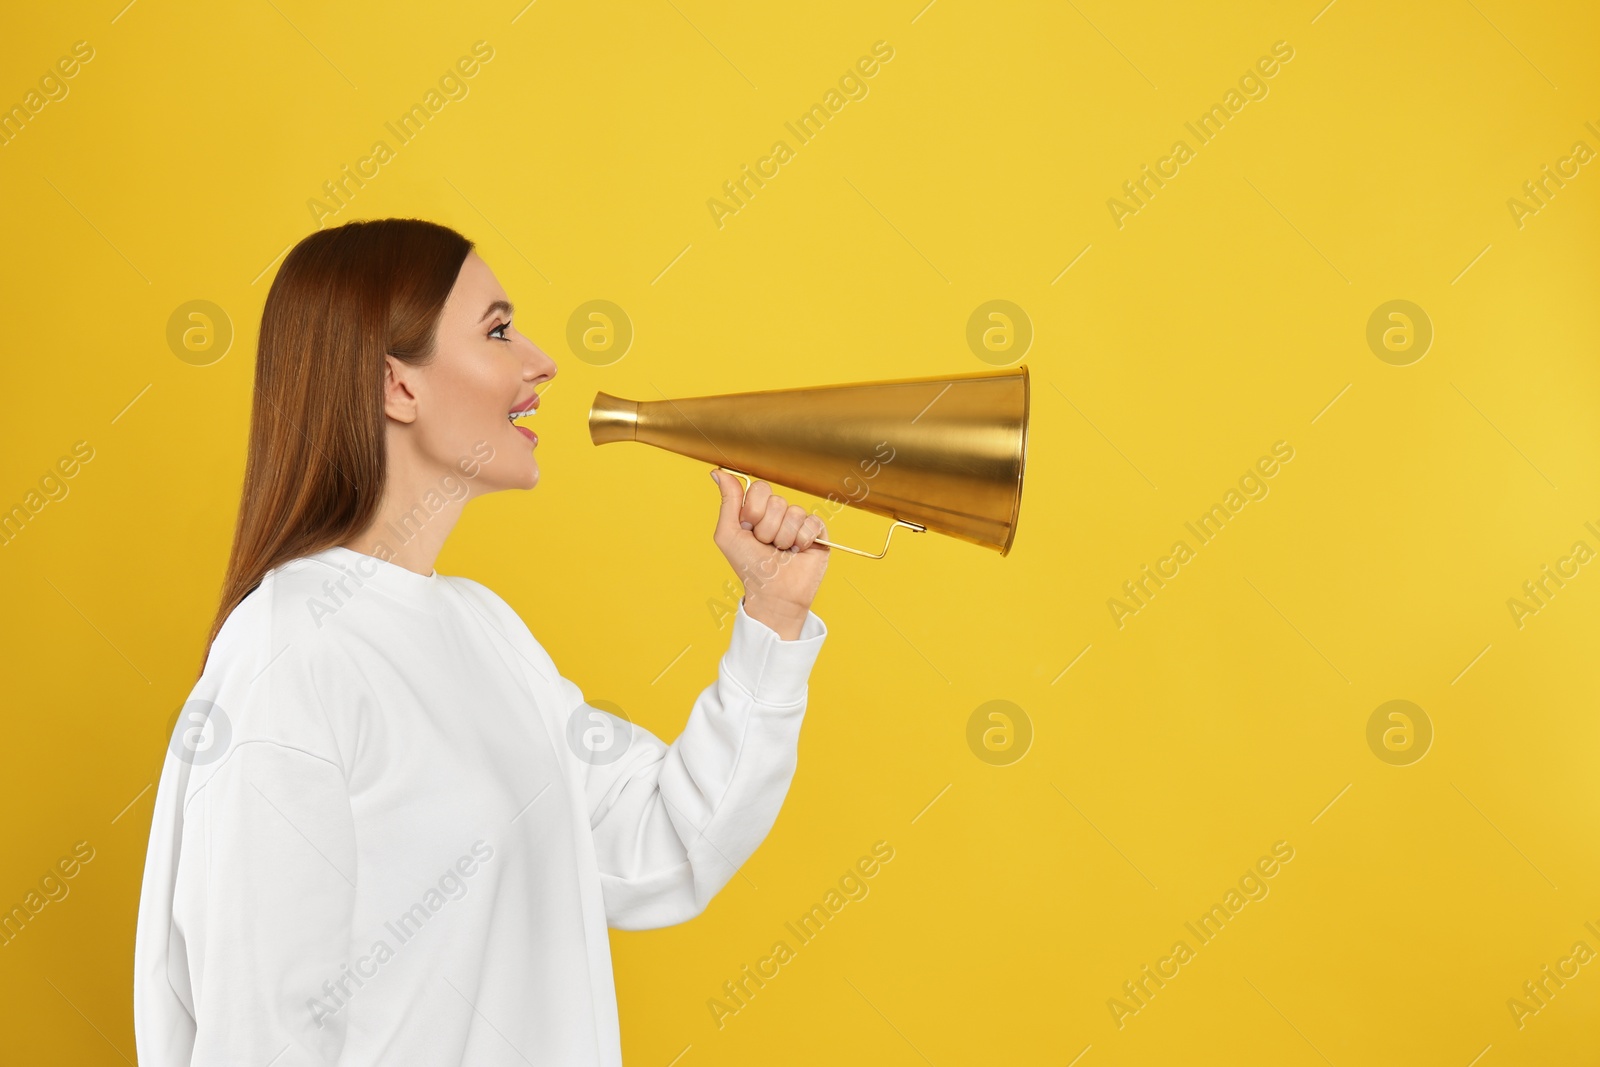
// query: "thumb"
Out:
[732,501]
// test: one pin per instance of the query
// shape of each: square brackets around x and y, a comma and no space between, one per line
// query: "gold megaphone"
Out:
[943,453]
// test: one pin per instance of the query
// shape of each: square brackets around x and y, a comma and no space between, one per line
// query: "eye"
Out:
[499,329]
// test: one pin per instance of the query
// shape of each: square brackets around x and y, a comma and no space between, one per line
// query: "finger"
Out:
[732,500]
[755,504]
[767,528]
[810,530]
[793,517]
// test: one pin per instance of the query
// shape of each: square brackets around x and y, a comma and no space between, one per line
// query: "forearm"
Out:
[685,817]
[784,618]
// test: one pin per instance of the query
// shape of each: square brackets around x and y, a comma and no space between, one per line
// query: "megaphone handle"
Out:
[831,544]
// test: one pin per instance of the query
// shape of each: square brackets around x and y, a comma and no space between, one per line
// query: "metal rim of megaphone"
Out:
[748,479]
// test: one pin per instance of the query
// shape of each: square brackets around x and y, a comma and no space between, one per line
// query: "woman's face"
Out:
[482,371]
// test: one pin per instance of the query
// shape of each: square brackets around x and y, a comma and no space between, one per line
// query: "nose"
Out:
[537,366]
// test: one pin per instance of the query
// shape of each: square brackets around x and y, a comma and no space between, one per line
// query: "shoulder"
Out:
[285,616]
[492,610]
[276,675]
[478,592]
[485,601]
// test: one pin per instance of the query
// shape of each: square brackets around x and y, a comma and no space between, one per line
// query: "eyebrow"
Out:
[499,305]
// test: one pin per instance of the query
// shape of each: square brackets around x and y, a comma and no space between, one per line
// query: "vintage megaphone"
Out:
[943,453]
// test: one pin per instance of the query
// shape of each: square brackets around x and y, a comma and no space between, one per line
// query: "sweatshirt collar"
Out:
[399,582]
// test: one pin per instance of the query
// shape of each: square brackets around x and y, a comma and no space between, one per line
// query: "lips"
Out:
[525,409]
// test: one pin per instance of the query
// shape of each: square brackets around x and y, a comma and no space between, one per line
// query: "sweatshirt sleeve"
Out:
[263,904]
[673,823]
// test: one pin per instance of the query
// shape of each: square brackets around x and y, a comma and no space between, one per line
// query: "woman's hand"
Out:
[769,543]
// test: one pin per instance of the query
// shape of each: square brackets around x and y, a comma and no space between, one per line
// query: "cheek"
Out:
[470,398]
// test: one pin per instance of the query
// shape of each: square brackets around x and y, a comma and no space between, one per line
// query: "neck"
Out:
[413,520]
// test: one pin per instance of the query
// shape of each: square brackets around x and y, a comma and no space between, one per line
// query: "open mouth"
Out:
[526,410]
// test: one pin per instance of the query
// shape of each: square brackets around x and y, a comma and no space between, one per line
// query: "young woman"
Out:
[388,831]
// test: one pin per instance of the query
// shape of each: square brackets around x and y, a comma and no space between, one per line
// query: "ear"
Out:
[399,399]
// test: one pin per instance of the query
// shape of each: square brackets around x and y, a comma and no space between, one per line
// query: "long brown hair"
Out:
[316,466]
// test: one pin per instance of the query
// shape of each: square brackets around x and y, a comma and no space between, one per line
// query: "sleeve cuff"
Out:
[762,663]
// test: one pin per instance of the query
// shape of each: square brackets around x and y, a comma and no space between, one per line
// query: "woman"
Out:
[387,829]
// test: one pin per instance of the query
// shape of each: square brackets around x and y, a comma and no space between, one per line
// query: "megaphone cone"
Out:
[941,453]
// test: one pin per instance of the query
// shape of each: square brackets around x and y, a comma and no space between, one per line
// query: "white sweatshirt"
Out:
[388,831]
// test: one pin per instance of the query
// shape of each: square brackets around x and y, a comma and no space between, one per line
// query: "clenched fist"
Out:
[769,542]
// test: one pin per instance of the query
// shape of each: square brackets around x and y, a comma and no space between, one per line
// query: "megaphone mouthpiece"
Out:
[612,418]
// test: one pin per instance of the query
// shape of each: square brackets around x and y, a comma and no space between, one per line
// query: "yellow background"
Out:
[1224,316]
